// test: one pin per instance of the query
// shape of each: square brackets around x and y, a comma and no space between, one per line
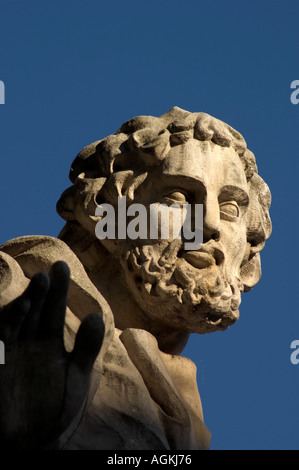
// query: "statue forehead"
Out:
[206,161]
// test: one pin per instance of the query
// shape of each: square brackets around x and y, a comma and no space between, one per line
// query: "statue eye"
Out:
[175,197]
[229,211]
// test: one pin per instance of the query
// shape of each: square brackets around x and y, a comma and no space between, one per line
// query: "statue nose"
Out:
[211,220]
[210,233]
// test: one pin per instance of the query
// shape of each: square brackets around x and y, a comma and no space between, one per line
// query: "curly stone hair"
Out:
[119,163]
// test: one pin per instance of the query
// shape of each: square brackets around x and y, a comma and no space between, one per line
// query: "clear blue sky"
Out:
[74,71]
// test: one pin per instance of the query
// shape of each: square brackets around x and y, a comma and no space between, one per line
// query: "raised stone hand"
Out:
[42,386]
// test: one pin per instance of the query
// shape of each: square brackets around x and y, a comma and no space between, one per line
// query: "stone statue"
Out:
[93,329]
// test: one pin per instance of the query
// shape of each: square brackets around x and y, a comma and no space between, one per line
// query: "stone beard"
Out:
[193,299]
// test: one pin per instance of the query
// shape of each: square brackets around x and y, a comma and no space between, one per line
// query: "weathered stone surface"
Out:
[150,293]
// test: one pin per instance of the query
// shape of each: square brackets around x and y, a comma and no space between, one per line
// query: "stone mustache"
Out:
[93,329]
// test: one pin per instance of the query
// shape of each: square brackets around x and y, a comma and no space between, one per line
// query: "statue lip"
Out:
[199,259]
[205,257]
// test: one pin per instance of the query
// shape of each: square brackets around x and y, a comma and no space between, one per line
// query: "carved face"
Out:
[179,157]
[196,291]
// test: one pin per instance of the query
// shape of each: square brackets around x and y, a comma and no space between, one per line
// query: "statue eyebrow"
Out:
[180,181]
[231,192]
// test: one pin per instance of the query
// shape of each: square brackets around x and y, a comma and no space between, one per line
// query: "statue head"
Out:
[177,158]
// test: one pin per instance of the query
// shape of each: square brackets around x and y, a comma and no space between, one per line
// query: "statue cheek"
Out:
[234,242]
